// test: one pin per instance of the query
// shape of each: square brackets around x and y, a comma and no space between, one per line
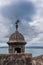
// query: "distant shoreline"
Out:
[33,47]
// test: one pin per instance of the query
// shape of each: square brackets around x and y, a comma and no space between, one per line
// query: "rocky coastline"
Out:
[37,60]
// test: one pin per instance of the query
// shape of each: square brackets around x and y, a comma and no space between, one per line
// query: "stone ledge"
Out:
[37,60]
[16,59]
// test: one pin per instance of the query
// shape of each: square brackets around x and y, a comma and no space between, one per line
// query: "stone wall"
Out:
[37,60]
[15,59]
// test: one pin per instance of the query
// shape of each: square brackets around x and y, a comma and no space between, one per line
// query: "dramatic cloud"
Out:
[9,13]
[29,12]
[38,24]
[21,10]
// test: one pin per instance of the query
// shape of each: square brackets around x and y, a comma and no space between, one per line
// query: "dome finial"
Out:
[17,25]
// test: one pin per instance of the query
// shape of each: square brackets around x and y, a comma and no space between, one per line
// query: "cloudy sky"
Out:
[30,14]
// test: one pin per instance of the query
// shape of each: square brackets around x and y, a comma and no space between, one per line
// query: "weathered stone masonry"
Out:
[15,59]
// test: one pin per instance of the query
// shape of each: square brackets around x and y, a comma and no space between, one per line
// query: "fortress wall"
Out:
[16,59]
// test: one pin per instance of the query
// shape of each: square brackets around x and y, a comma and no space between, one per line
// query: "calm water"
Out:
[34,51]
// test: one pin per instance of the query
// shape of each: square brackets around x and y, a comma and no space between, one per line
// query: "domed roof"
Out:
[16,37]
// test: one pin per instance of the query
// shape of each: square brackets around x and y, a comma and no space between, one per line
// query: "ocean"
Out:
[34,51]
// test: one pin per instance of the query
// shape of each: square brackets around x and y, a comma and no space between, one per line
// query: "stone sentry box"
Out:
[17,55]
[16,59]
[16,41]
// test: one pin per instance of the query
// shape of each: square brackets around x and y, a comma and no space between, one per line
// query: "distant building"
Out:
[16,41]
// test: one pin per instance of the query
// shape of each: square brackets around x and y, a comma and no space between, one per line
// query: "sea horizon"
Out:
[34,51]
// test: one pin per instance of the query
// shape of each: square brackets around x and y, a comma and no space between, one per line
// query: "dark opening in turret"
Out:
[18,50]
